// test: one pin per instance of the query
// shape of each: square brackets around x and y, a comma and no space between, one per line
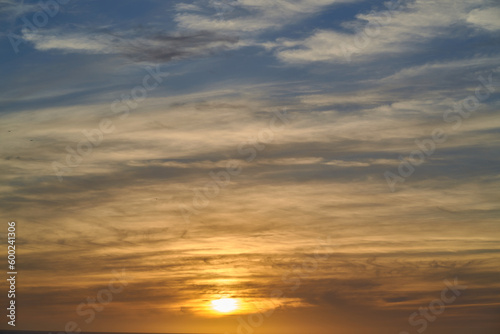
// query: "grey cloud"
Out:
[161,47]
[139,45]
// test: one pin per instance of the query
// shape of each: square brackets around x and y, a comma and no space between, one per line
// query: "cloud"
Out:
[311,182]
[486,18]
[187,7]
[253,16]
[15,8]
[400,29]
[138,45]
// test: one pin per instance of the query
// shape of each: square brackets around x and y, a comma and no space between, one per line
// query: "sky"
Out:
[322,166]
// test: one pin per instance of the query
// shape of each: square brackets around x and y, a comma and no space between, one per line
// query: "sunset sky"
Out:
[252,166]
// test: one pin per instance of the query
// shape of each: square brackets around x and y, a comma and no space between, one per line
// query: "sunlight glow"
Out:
[225,305]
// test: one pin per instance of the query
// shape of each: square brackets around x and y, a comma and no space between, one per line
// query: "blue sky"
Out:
[373,123]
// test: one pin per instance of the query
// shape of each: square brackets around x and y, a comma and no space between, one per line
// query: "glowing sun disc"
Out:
[225,305]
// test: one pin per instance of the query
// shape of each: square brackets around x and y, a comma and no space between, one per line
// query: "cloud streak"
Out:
[141,45]
[398,29]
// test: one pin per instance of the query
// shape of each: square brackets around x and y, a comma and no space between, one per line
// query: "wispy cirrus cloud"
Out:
[486,18]
[138,45]
[400,28]
[14,8]
[251,17]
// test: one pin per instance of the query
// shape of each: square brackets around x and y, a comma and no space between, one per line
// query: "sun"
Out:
[225,305]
